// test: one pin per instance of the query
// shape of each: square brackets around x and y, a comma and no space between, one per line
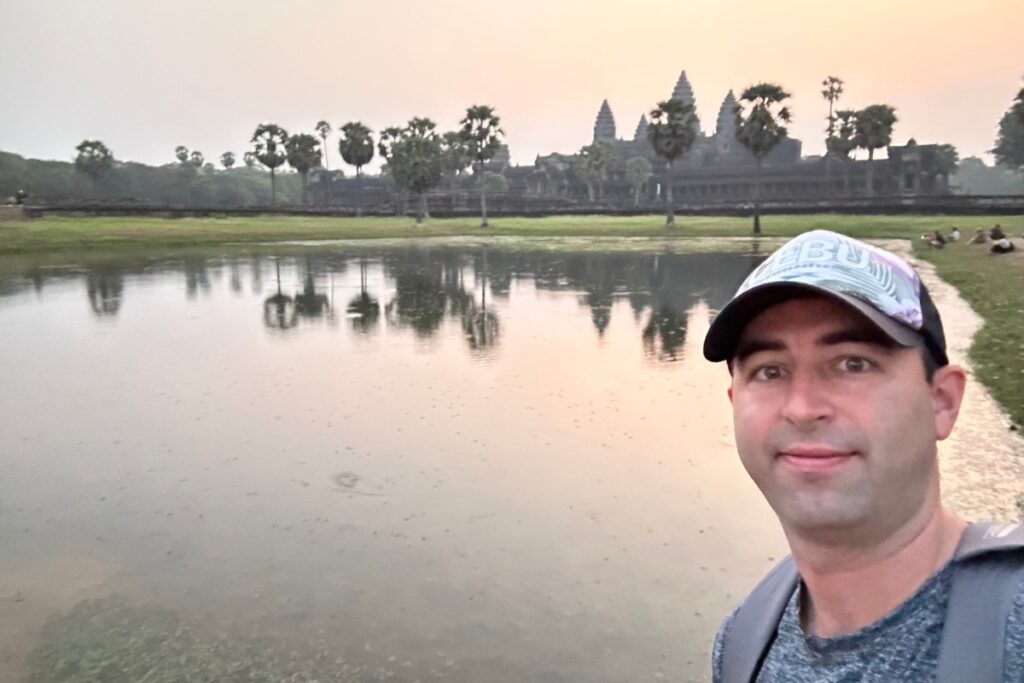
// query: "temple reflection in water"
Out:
[418,290]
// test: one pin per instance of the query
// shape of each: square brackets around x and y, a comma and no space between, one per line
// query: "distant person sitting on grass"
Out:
[937,240]
[979,237]
[954,236]
[996,233]
[1002,246]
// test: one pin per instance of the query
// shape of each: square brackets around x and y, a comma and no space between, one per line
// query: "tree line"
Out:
[417,155]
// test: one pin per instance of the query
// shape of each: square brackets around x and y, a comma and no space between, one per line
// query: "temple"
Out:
[604,126]
[717,171]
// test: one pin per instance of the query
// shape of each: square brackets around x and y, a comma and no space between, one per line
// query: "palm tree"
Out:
[481,133]
[844,141]
[250,160]
[269,142]
[638,171]
[1009,149]
[303,153]
[188,165]
[94,159]
[832,88]
[323,129]
[593,163]
[761,129]
[671,133]
[415,160]
[227,160]
[356,145]
[874,130]
[456,159]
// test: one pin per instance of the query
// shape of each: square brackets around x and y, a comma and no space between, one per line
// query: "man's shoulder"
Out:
[1014,633]
[1014,664]
[716,649]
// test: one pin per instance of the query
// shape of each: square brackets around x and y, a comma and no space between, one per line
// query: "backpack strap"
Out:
[988,573]
[753,629]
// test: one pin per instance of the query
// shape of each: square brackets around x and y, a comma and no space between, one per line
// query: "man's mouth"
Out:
[815,458]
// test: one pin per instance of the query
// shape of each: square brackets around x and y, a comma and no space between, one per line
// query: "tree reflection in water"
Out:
[665,333]
[279,309]
[419,301]
[480,325]
[363,310]
[310,304]
[455,285]
[197,278]
[105,289]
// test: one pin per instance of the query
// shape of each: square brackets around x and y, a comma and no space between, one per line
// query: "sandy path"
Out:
[982,463]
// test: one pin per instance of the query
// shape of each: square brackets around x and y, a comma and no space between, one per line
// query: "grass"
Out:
[67,233]
[994,286]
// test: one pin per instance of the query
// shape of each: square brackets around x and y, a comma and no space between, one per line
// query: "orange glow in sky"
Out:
[145,77]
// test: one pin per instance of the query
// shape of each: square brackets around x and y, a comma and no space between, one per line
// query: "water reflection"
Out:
[197,278]
[105,289]
[423,288]
[363,310]
[541,492]
[279,308]
[309,303]
[481,325]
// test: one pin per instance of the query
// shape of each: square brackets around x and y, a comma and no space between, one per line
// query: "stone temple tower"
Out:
[604,127]
[683,91]
[641,130]
[725,127]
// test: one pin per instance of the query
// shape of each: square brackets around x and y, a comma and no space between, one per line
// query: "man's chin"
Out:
[817,517]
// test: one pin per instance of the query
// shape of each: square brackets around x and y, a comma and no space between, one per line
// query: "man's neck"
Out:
[849,589]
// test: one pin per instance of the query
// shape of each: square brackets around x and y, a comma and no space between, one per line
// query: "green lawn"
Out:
[73,233]
[994,286]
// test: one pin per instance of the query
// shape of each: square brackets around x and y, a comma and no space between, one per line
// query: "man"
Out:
[841,388]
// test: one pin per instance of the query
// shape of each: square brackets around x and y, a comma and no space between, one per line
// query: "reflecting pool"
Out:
[405,461]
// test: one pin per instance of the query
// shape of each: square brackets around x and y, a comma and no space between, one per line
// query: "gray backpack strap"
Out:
[753,628]
[987,575]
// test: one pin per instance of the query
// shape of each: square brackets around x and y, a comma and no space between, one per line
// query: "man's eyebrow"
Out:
[857,335]
[752,346]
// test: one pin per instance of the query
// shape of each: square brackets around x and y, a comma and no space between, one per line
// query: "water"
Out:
[449,462]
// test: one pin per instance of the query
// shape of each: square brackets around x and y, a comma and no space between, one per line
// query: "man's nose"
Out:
[808,401]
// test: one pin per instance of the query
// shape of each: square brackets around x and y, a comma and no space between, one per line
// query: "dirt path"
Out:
[982,463]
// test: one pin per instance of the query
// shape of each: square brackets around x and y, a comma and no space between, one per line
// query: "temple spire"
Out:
[726,124]
[604,126]
[641,130]
[683,91]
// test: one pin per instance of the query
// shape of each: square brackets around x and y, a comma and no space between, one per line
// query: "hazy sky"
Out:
[147,76]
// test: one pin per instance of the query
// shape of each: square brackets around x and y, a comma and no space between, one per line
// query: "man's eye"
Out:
[767,373]
[855,364]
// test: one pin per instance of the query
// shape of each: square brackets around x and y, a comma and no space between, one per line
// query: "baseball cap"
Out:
[880,285]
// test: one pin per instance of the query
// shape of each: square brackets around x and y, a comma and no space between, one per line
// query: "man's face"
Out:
[836,425]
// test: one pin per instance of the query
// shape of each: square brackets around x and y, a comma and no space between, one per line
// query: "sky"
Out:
[145,77]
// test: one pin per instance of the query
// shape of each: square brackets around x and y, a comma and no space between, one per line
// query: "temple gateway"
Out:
[716,172]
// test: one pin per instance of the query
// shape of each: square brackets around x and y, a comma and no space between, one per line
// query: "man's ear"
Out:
[947,389]
[730,393]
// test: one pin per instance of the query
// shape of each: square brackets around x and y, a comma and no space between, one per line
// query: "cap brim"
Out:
[727,327]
